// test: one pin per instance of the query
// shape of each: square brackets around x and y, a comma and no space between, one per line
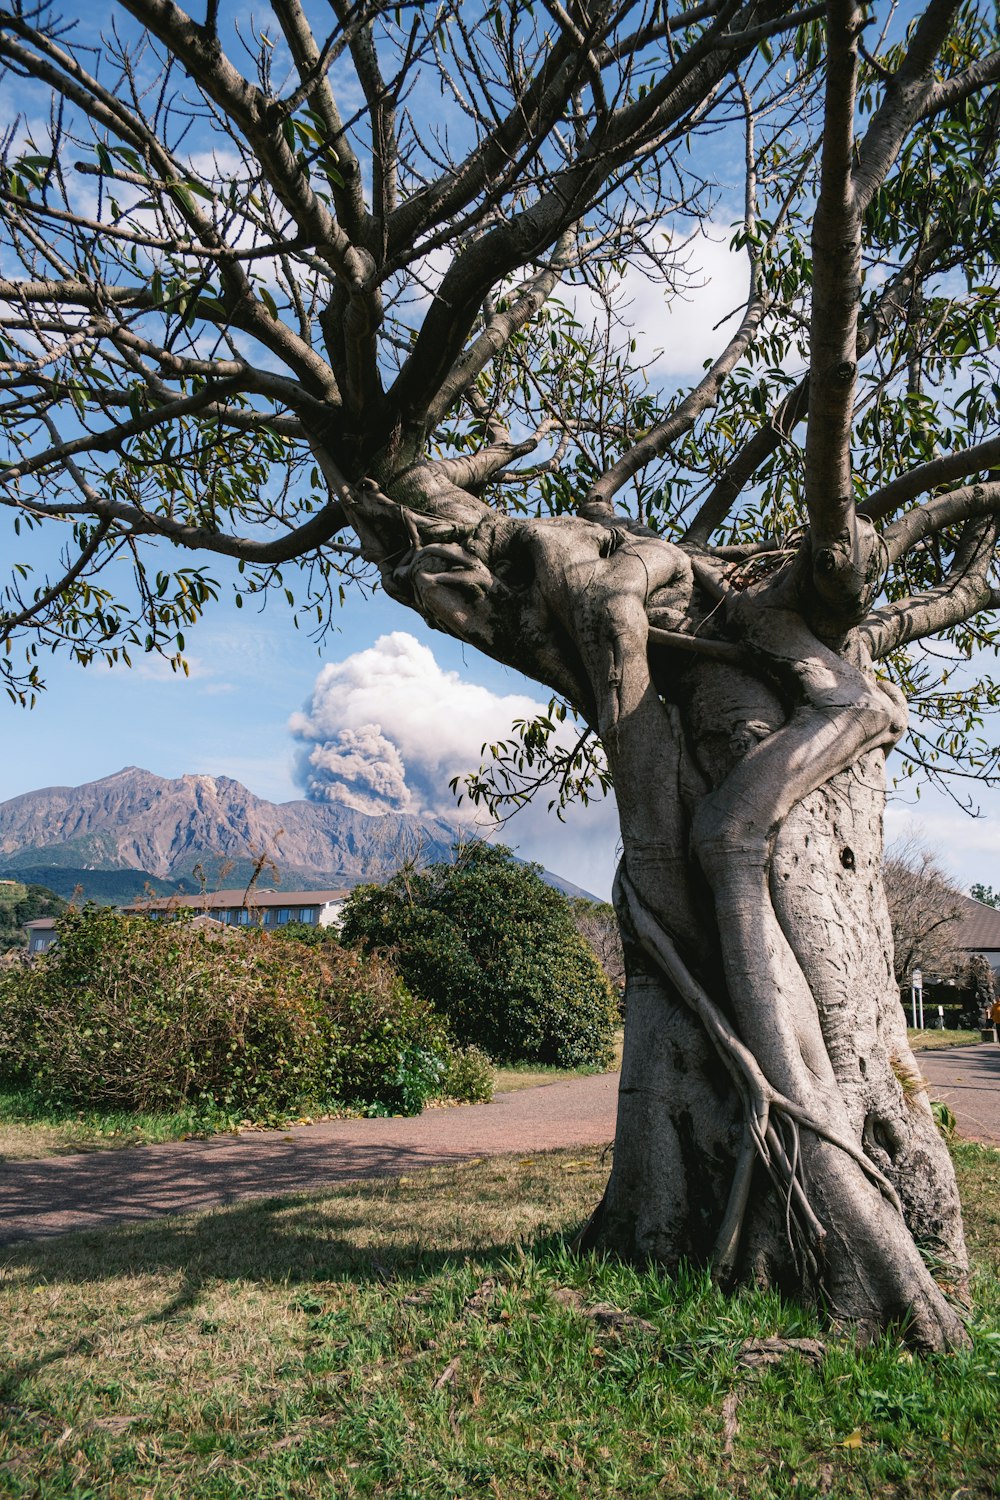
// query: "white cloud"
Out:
[676,330]
[395,695]
[387,728]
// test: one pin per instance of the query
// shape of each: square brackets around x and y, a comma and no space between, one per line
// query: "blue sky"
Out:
[250,673]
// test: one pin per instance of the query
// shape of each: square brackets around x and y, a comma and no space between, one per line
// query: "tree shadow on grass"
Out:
[363,1234]
[373,1230]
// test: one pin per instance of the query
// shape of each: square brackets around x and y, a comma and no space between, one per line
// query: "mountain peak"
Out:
[135,820]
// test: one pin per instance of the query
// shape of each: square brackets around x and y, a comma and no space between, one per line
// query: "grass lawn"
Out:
[934,1041]
[530,1076]
[29,1129]
[433,1337]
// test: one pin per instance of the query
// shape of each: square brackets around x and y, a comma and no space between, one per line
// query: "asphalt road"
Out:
[967,1079]
[62,1194]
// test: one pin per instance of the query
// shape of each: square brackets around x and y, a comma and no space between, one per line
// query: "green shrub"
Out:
[495,951]
[469,1076]
[23,903]
[134,1014]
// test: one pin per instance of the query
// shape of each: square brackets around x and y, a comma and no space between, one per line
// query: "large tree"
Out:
[310,287]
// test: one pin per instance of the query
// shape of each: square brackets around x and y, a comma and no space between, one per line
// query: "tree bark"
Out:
[847,1197]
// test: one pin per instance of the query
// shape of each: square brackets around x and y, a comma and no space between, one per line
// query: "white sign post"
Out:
[917,997]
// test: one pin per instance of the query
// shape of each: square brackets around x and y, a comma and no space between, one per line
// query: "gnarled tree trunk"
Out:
[771,1122]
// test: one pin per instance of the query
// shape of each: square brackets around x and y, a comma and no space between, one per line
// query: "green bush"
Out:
[469,1076]
[23,903]
[494,950]
[134,1014]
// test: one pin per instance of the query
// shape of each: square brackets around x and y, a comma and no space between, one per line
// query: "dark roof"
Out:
[224,900]
[978,928]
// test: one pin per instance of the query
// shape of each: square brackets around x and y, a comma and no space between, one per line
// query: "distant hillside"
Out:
[201,827]
[20,903]
[109,840]
[103,887]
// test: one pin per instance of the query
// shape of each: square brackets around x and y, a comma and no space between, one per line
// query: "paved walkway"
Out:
[967,1079]
[61,1194]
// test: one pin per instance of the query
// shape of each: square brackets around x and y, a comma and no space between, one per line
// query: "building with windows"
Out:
[256,908]
[41,934]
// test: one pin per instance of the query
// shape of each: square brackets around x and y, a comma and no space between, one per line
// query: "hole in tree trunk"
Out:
[880,1138]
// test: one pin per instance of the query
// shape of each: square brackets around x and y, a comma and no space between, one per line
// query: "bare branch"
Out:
[974,501]
[659,439]
[907,100]
[964,593]
[917,481]
[888,310]
[836,252]
[944,96]
[345,183]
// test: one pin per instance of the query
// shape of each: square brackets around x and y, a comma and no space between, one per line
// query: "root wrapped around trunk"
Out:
[768,1123]
[768,1120]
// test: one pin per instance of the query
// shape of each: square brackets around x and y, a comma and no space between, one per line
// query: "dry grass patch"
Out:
[524,1076]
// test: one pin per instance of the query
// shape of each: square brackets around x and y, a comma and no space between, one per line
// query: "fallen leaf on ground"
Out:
[449,1374]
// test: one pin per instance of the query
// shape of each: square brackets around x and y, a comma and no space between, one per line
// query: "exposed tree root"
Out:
[762,1103]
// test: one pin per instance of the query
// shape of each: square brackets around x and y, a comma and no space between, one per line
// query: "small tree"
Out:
[496,951]
[924,910]
[598,926]
[25,904]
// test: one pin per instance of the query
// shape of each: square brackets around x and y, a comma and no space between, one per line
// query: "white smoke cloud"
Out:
[360,768]
[387,728]
[392,727]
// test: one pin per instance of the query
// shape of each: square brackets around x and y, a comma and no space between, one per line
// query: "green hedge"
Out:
[497,952]
[130,1013]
